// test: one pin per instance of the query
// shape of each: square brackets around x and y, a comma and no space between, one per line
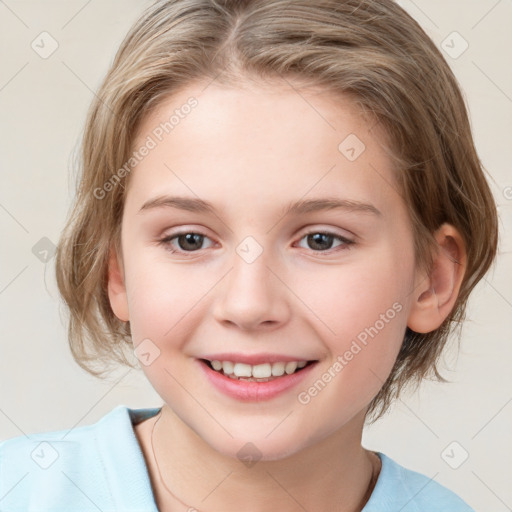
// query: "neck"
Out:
[336,473]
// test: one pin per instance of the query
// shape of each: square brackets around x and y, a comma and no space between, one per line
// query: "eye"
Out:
[187,241]
[321,241]
[190,241]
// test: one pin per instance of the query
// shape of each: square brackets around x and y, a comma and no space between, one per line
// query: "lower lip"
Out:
[254,391]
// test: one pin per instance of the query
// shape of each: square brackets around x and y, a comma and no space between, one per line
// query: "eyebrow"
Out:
[299,207]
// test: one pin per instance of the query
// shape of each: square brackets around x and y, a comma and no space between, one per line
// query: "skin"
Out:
[250,150]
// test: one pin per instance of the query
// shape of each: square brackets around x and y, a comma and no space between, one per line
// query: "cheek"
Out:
[165,299]
[164,304]
[361,309]
[363,321]
[349,297]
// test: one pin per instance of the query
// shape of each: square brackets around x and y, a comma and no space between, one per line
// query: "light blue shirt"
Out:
[101,467]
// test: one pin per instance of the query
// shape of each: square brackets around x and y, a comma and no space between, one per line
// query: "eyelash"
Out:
[167,239]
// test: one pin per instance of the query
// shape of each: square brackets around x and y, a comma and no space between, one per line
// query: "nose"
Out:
[252,296]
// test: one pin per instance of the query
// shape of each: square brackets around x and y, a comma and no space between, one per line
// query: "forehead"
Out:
[268,143]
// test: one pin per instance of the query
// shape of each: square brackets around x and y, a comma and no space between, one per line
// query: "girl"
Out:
[282,214]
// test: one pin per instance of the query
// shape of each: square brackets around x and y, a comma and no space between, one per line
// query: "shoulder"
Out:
[399,488]
[74,468]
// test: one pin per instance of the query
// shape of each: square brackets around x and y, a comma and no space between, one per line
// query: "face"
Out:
[329,285]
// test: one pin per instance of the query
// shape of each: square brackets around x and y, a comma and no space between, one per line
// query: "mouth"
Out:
[261,382]
[257,373]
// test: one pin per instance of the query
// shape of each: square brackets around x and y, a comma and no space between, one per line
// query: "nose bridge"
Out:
[251,294]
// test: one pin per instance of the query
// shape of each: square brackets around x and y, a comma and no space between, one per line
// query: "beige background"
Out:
[43,104]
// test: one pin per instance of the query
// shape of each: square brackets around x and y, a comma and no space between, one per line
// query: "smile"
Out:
[259,372]
[242,382]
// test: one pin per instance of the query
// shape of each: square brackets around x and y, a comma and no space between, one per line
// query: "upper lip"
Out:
[253,359]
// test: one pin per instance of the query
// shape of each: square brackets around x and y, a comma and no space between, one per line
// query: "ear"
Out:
[117,288]
[435,294]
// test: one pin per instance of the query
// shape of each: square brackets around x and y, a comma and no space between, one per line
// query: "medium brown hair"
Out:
[370,51]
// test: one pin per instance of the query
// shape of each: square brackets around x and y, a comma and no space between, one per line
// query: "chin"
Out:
[259,449]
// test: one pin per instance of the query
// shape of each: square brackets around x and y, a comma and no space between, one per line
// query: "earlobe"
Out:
[117,288]
[435,294]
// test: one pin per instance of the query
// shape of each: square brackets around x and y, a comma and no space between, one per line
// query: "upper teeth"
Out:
[258,371]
